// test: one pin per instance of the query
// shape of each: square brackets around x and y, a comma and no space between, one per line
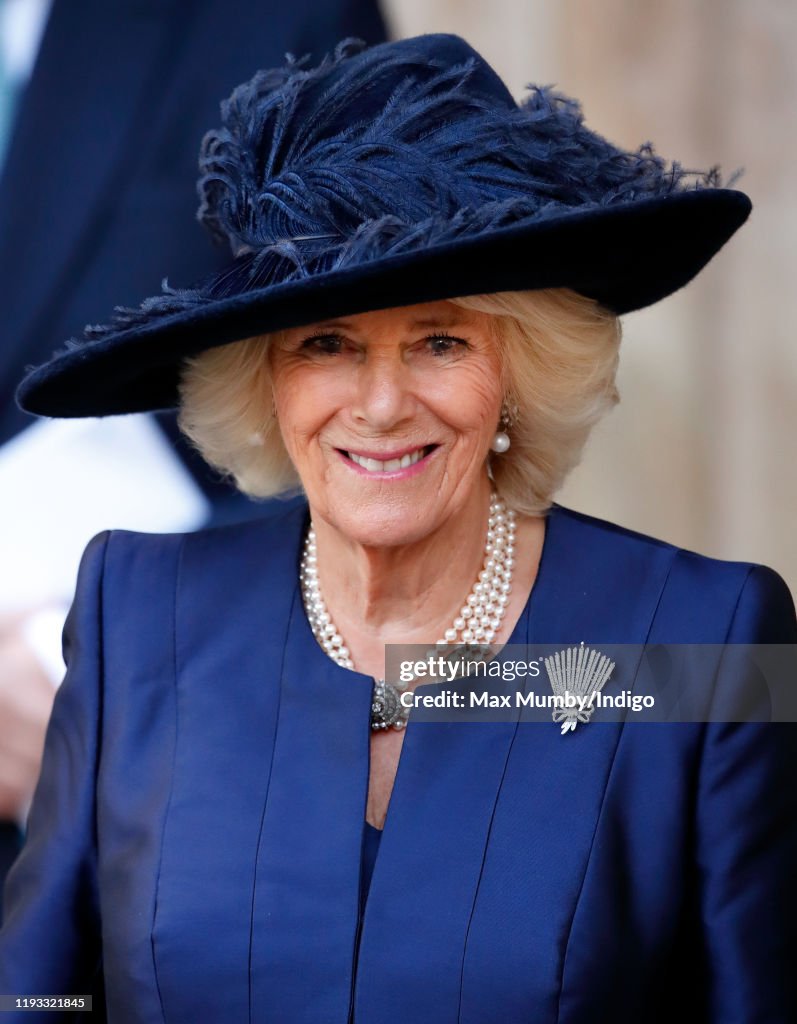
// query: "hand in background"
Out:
[26,699]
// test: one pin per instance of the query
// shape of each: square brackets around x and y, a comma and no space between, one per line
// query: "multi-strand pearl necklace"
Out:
[478,621]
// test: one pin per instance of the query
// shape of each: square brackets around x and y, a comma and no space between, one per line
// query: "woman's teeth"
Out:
[375,466]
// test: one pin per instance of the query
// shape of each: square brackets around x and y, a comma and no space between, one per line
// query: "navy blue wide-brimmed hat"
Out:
[388,176]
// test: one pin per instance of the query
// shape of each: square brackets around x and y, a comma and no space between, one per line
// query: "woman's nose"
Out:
[384,395]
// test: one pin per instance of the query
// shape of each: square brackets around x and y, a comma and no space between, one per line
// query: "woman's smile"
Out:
[397,464]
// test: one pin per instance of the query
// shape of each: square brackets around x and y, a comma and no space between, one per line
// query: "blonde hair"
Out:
[559,353]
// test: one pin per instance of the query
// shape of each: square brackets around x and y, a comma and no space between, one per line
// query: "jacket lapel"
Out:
[308,867]
[67,171]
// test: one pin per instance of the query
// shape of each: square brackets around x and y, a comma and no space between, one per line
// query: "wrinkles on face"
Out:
[356,395]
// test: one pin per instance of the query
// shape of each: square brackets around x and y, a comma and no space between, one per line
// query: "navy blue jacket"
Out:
[195,840]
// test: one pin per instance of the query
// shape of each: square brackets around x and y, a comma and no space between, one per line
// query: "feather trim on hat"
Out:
[298,186]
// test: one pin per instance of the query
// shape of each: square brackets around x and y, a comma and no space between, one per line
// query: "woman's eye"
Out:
[326,344]
[444,344]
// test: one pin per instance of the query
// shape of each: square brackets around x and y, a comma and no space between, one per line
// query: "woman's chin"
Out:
[382,522]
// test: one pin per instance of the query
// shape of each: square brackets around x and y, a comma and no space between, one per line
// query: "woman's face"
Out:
[388,416]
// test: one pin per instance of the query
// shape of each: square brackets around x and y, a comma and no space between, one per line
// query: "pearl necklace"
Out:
[477,623]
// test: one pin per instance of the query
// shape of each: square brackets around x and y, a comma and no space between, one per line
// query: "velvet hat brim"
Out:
[625,253]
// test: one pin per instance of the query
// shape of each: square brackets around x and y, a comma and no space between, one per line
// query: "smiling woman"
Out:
[238,818]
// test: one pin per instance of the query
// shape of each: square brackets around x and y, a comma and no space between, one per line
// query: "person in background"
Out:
[101,108]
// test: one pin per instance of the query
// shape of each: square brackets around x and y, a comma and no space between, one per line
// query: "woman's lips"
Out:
[395,465]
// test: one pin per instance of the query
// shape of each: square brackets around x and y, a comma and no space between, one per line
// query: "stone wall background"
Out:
[702,449]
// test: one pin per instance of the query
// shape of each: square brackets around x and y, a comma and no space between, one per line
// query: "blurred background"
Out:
[702,450]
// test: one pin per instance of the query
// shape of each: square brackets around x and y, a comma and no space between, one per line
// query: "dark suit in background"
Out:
[97,194]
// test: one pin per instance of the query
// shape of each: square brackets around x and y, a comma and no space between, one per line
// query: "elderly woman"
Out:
[225,756]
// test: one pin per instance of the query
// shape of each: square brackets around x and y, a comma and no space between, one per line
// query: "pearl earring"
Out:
[501,442]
